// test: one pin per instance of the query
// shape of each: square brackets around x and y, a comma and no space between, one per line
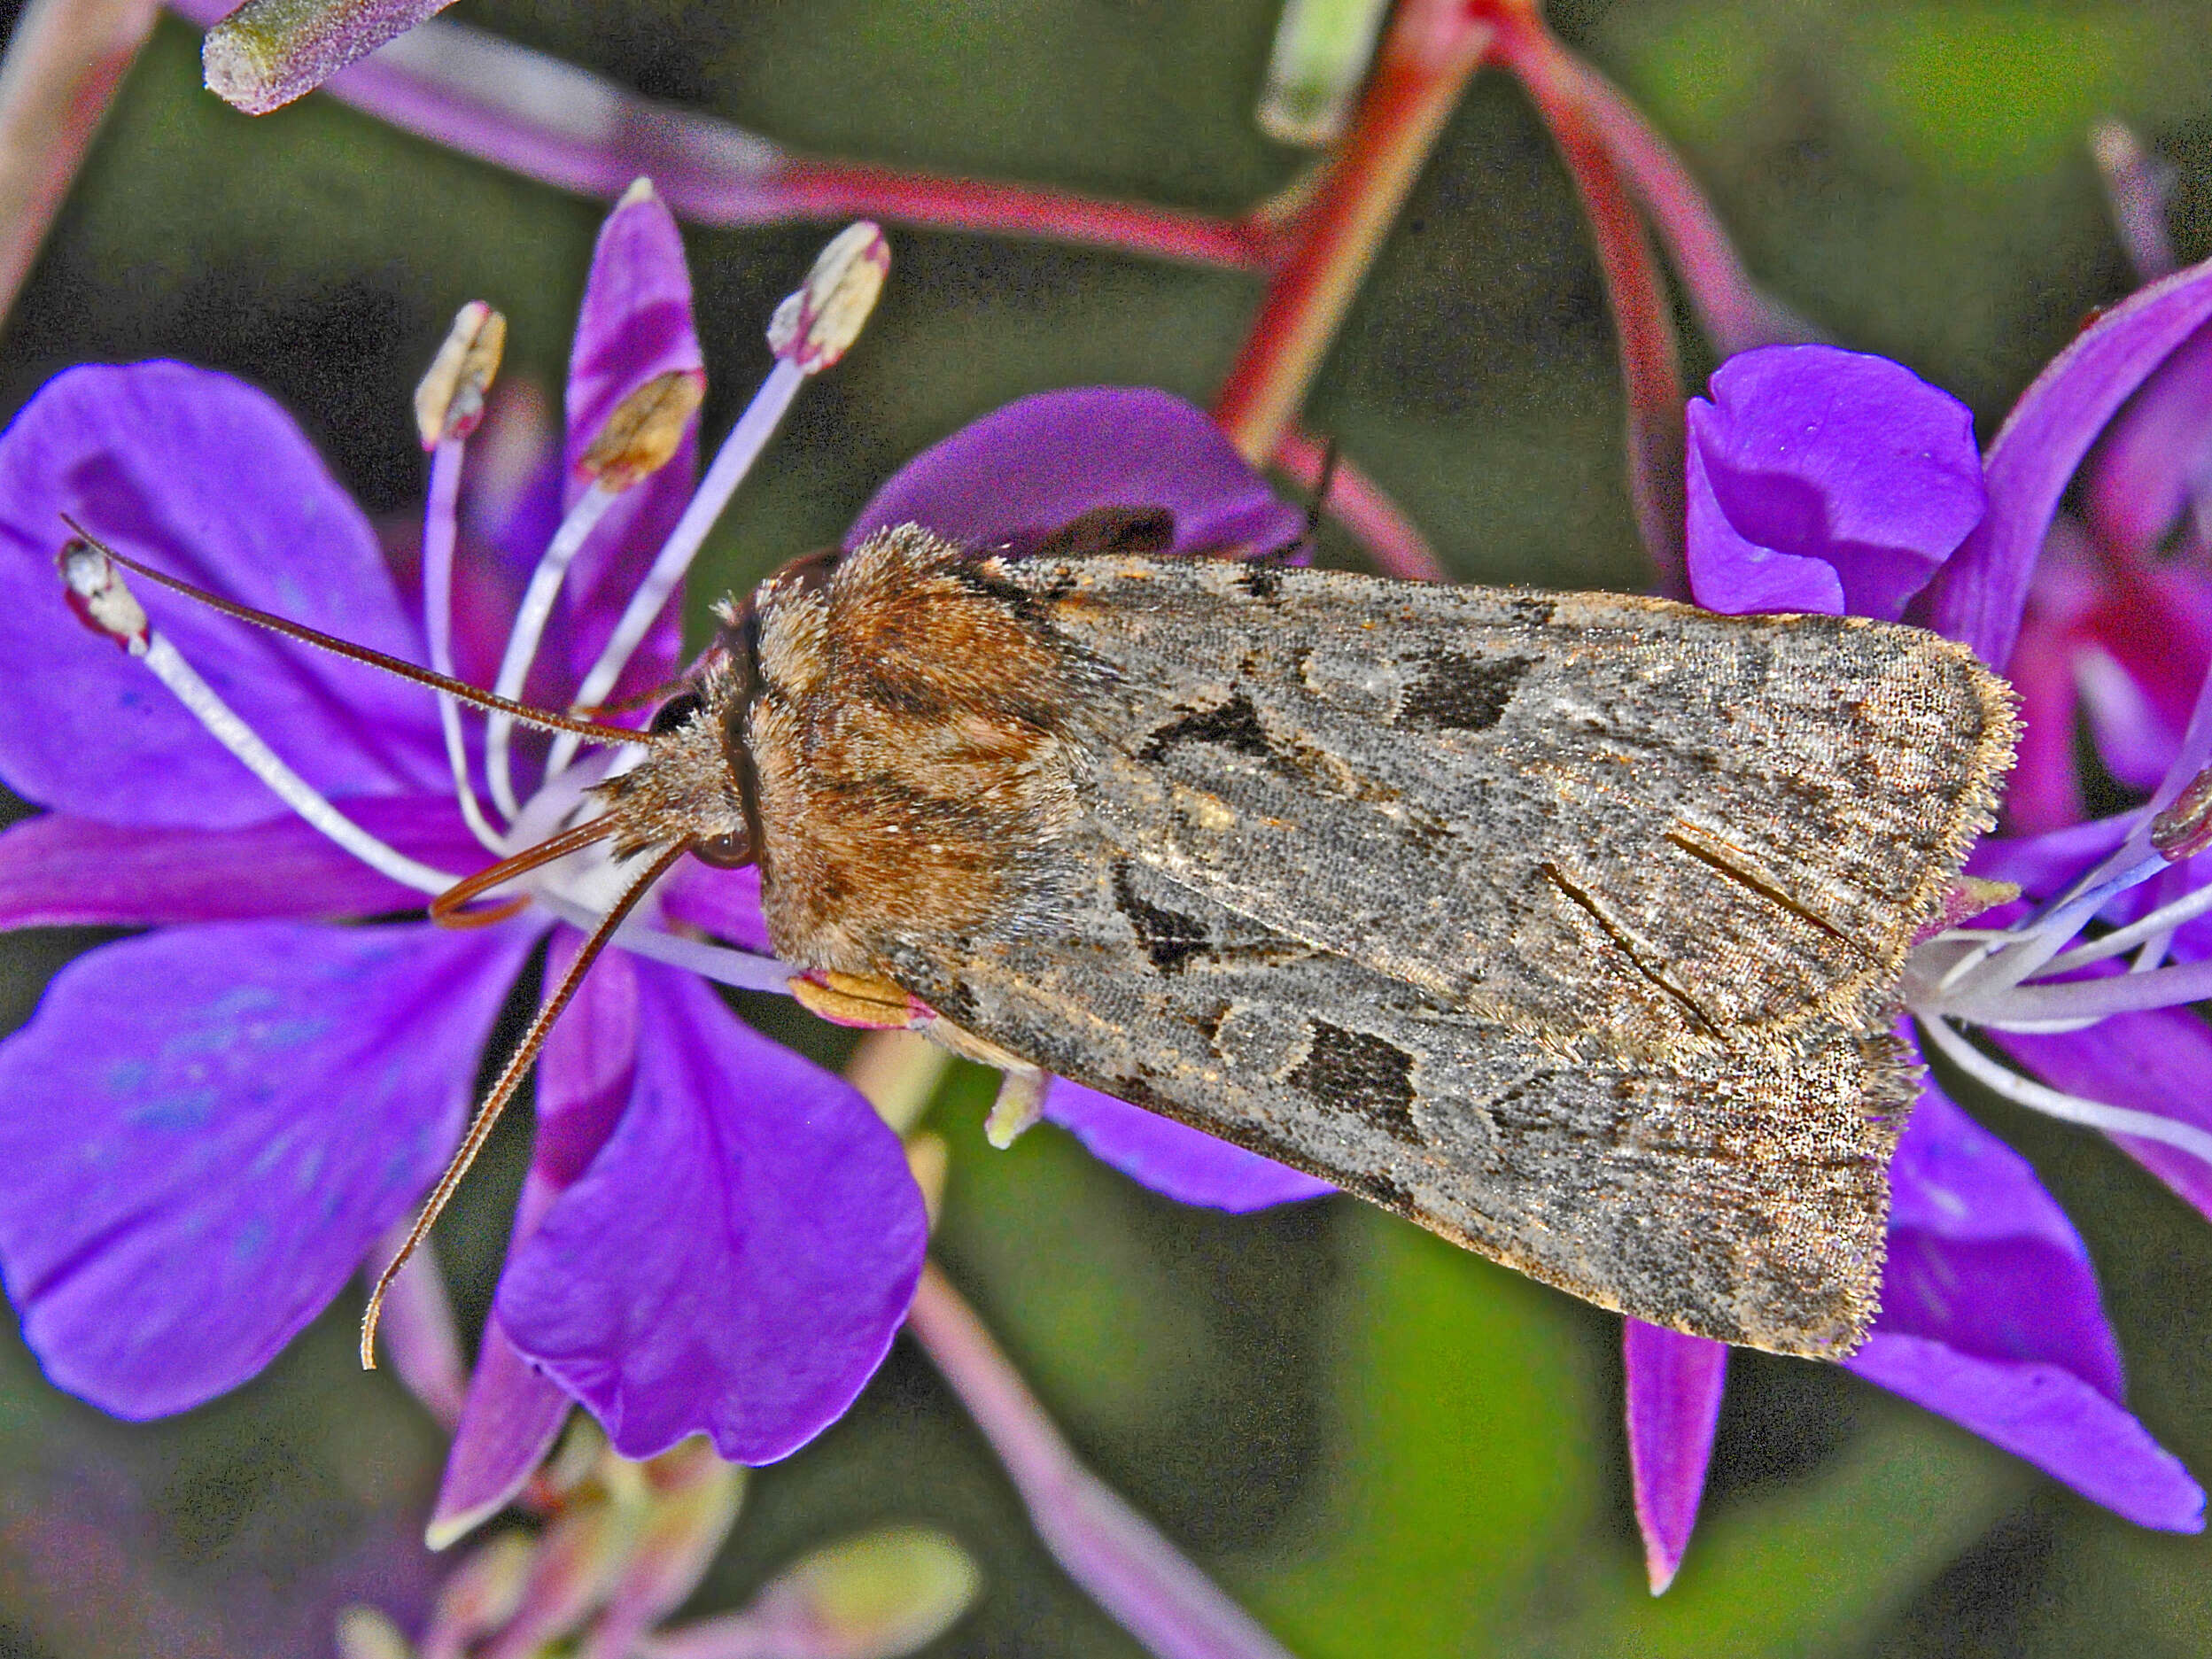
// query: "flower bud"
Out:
[365,1633]
[816,326]
[449,400]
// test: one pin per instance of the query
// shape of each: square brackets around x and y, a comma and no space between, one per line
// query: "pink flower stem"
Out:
[1735,313]
[533,114]
[1431,48]
[64,62]
[837,190]
[1118,1557]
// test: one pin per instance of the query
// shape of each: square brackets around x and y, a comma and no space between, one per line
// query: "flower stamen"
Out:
[105,601]
[812,328]
[2069,1108]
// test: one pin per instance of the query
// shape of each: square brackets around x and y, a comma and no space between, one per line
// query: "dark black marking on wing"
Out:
[1359,1073]
[1261,579]
[1460,694]
[1168,938]
[1756,884]
[1627,948]
[1234,724]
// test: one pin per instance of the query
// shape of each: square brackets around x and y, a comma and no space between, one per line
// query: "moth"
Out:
[1568,926]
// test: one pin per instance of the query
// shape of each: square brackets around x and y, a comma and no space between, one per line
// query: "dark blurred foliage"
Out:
[1383,1446]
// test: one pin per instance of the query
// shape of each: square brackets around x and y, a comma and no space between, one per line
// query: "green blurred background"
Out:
[1382,1445]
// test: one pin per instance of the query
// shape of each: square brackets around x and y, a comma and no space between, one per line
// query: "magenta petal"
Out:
[1674,1384]
[736,1260]
[1176,1161]
[1981,1256]
[511,1418]
[635,326]
[2043,865]
[1810,460]
[2158,1061]
[1024,471]
[59,871]
[152,456]
[1978,595]
[2157,456]
[2047,1415]
[207,1130]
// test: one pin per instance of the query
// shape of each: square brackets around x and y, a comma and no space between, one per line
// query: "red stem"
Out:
[1431,48]
[834,190]
[1642,314]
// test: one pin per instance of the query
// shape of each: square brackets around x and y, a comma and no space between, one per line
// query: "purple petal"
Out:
[59,871]
[1982,1259]
[2047,1415]
[2158,1061]
[1978,595]
[2043,865]
[635,326]
[1025,470]
[1178,1162]
[2157,456]
[724,903]
[208,1129]
[1674,1384]
[738,1256]
[1817,475]
[152,456]
[509,1423]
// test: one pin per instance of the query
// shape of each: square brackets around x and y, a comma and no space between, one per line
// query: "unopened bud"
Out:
[449,401]
[484,1593]
[268,52]
[876,1596]
[642,435]
[1017,1106]
[365,1633]
[2185,829]
[1322,51]
[98,596]
[816,326]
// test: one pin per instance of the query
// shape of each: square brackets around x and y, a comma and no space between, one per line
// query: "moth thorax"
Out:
[911,739]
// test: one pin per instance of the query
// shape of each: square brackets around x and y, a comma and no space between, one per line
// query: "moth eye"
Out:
[676,712]
[733,851]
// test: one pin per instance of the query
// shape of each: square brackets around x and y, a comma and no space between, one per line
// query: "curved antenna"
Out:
[510,1079]
[442,909]
[545,719]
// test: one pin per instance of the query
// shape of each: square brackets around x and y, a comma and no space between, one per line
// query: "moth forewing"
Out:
[1569,925]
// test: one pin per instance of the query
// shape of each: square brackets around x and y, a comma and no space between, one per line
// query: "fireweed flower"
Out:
[210,1126]
[1822,480]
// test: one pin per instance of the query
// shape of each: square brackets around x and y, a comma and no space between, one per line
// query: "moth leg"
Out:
[879,1005]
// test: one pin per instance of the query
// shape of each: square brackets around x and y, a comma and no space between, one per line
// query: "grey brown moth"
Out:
[1567,925]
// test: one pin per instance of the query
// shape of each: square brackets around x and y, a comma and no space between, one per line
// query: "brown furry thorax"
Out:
[886,734]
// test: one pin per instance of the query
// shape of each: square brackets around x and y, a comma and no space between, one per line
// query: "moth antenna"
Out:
[544,719]
[1329,451]
[443,907]
[509,1079]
